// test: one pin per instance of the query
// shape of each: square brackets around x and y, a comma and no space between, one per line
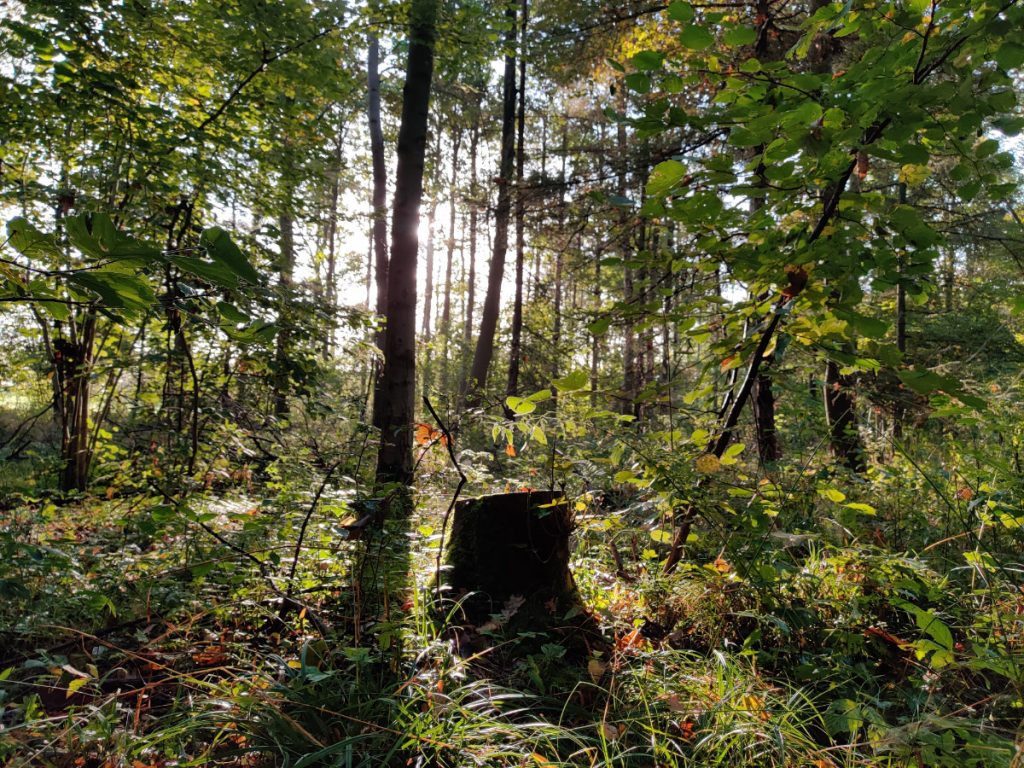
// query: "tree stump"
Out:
[508,546]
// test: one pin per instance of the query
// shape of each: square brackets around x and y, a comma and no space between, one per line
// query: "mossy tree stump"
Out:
[512,545]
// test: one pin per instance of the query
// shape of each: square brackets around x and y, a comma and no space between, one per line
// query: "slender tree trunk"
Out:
[379,203]
[556,341]
[428,288]
[515,349]
[282,351]
[595,340]
[492,300]
[763,395]
[398,385]
[901,330]
[474,212]
[446,312]
[331,288]
[629,372]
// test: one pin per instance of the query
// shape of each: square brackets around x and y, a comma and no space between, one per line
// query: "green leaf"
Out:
[1010,55]
[520,406]
[744,137]
[681,12]
[665,176]
[857,506]
[646,61]
[738,36]
[574,381]
[926,382]
[639,82]
[116,289]
[29,241]
[540,396]
[222,249]
[696,38]
[539,436]
[231,313]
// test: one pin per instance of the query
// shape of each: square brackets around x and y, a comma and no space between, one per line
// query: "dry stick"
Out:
[286,605]
[320,624]
[732,419]
[449,444]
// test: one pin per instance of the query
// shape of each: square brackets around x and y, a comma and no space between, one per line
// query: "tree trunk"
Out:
[515,349]
[474,212]
[379,194]
[282,350]
[398,385]
[840,411]
[629,372]
[492,300]
[428,288]
[901,331]
[446,312]
[330,287]
[74,369]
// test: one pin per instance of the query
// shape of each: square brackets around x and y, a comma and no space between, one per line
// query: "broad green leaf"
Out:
[115,289]
[29,241]
[664,178]
[648,60]
[738,36]
[574,381]
[222,249]
[520,406]
[696,38]
[1010,55]
[639,82]
[857,506]
[600,326]
[681,12]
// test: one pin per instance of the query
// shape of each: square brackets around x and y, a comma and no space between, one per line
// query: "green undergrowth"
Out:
[835,632]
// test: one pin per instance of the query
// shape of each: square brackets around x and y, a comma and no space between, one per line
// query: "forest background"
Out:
[283,282]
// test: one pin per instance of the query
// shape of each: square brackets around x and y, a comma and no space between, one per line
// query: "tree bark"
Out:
[379,235]
[445,328]
[515,349]
[398,385]
[840,411]
[474,212]
[282,349]
[492,300]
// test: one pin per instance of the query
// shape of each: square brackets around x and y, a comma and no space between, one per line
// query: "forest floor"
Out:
[137,632]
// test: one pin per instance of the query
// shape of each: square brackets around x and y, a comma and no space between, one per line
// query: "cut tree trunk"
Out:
[511,551]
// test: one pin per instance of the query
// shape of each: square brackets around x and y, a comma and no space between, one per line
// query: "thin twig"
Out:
[450,445]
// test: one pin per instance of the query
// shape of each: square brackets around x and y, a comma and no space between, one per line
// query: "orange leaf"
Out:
[510,450]
[863,164]
[631,641]
[425,434]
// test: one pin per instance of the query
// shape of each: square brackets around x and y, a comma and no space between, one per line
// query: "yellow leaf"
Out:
[75,684]
[596,668]
[708,464]
[541,761]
